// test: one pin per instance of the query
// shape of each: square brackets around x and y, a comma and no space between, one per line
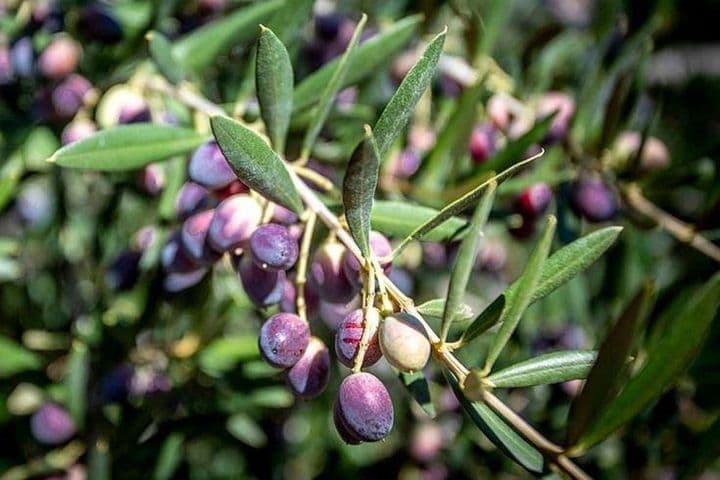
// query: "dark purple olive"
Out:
[593,200]
[309,377]
[51,424]
[235,220]
[534,200]
[327,26]
[283,216]
[262,287]
[98,23]
[326,274]
[209,167]
[194,234]
[349,334]
[135,111]
[22,57]
[123,271]
[482,143]
[380,247]
[192,198]
[115,386]
[178,281]
[69,95]
[403,280]
[284,337]
[334,313]
[273,247]
[151,179]
[173,257]
[6,66]
[364,410]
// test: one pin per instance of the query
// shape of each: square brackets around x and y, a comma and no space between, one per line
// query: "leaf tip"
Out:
[52,158]
[149,35]
[368,131]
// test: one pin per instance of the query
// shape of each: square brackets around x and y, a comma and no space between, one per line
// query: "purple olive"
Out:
[349,335]
[403,280]
[492,255]
[6,66]
[593,200]
[98,23]
[194,234]
[192,198]
[288,303]
[151,179]
[380,247]
[51,424]
[534,200]
[283,216]
[178,281]
[210,168]
[284,337]
[482,143]
[564,105]
[124,270]
[22,57]
[60,58]
[77,130]
[426,441]
[364,410]
[435,255]
[115,386]
[144,238]
[235,220]
[404,343]
[173,257]
[334,313]
[273,247]
[35,203]
[326,274]
[262,287]
[136,110]
[405,164]
[309,377]
[69,95]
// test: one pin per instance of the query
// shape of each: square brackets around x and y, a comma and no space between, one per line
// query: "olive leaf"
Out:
[127,147]
[200,48]
[359,190]
[606,377]
[254,162]
[15,358]
[517,304]
[402,218]
[76,382]
[543,369]
[484,321]
[162,54]
[398,111]
[417,386]
[367,60]
[330,91]
[170,456]
[666,360]
[274,84]
[465,260]
[436,307]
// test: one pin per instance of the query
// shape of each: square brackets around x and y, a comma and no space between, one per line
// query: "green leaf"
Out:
[127,147]
[274,85]
[499,432]
[401,219]
[465,260]
[484,321]
[417,386]
[359,190]
[330,91]
[246,430]
[200,48]
[548,368]
[255,163]
[368,58]
[76,382]
[175,171]
[436,307]
[223,354]
[15,358]
[457,206]
[570,260]
[170,456]
[452,141]
[669,358]
[10,174]
[608,373]
[517,303]
[396,114]
[162,54]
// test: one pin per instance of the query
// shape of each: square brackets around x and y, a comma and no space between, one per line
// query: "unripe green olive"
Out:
[404,343]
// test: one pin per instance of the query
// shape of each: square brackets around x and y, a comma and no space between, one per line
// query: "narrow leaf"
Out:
[417,386]
[499,432]
[368,58]
[200,48]
[669,358]
[15,358]
[162,54]
[255,163]
[516,305]
[76,382]
[245,429]
[606,377]
[359,186]
[169,458]
[401,219]
[548,368]
[396,114]
[435,308]
[465,260]
[484,321]
[330,91]
[570,260]
[127,147]
[459,205]
[223,354]
[274,85]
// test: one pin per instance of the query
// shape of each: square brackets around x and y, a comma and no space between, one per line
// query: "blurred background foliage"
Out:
[201,403]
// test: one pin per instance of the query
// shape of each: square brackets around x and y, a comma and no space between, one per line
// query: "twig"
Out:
[301,276]
[682,231]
